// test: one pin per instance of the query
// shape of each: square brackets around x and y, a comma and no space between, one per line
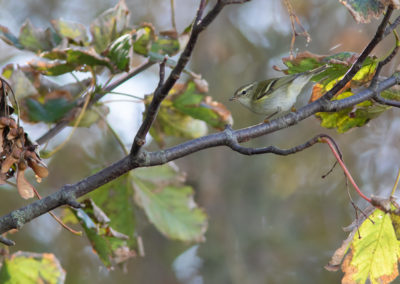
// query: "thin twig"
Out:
[293,18]
[58,220]
[346,171]
[358,63]
[58,127]
[173,15]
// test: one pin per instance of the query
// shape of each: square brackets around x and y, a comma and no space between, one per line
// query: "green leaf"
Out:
[143,39]
[109,26]
[116,200]
[172,122]
[338,64]
[53,68]
[71,30]
[364,10]
[9,37]
[199,106]
[36,39]
[120,52]
[375,255]
[51,111]
[31,268]
[348,118]
[168,203]
[110,245]
[69,59]
[78,56]
[165,45]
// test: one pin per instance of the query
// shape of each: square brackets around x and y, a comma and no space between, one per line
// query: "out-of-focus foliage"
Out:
[168,203]
[185,112]
[30,268]
[364,10]
[112,246]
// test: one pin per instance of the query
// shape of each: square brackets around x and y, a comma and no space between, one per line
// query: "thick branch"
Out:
[68,193]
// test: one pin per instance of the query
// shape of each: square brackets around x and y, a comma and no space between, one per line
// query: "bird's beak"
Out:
[233,99]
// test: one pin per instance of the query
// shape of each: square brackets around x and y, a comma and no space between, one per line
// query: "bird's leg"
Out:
[266,120]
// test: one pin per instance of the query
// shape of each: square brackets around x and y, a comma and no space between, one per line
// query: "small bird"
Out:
[271,96]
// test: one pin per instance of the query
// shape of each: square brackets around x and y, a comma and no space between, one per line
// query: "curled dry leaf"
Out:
[14,133]
[25,189]
[201,85]
[10,160]
[40,169]
[36,164]
[6,121]
[218,108]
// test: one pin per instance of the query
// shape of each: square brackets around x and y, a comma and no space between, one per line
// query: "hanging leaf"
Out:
[110,245]
[116,200]
[375,254]
[168,203]
[109,26]
[348,118]
[30,268]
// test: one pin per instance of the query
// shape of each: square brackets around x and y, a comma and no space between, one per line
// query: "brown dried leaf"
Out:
[337,258]
[15,132]
[7,163]
[40,169]
[304,55]
[170,33]
[36,164]
[25,189]
[7,121]
[219,109]
[201,85]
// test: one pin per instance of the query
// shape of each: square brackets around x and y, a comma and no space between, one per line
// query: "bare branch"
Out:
[234,145]
[140,138]
[161,92]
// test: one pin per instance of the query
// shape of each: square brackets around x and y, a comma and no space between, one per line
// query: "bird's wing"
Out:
[267,87]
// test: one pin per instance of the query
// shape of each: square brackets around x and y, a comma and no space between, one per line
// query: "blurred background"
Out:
[271,219]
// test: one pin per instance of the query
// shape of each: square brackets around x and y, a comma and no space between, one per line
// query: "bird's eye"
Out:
[244,92]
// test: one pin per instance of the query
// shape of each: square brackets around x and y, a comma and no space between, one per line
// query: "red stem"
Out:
[346,171]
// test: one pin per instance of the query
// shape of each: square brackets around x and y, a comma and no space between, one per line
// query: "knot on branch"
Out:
[68,197]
